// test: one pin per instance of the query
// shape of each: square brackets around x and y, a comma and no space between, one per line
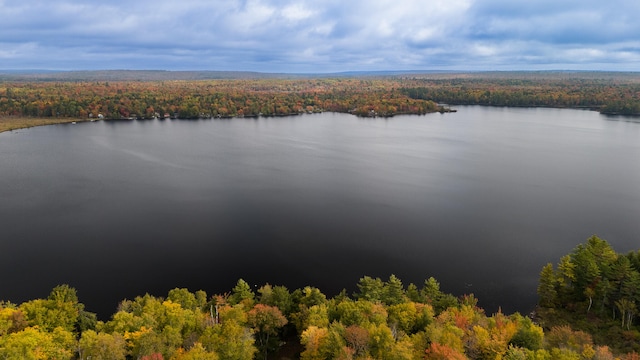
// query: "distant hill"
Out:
[165,75]
[132,75]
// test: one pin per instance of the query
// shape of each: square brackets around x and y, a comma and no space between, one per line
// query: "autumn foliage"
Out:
[443,352]
[382,320]
[207,98]
[609,93]
[124,98]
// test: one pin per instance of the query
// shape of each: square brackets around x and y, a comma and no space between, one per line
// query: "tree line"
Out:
[617,95]
[363,96]
[383,319]
[206,98]
[594,289]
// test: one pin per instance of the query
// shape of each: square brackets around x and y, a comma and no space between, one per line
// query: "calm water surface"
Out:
[480,199]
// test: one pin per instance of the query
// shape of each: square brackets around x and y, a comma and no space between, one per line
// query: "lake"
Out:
[480,199]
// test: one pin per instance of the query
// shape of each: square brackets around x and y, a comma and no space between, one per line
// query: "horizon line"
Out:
[404,71]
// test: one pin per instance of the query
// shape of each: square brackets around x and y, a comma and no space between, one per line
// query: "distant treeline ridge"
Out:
[359,95]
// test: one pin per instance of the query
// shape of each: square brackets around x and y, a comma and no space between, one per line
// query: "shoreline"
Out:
[10,123]
[21,122]
[16,123]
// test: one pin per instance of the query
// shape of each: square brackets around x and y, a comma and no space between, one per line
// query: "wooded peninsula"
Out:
[36,99]
[586,311]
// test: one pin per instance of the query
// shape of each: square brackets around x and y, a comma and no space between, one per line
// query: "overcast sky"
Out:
[320,36]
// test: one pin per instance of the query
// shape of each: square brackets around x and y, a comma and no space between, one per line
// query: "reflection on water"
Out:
[480,199]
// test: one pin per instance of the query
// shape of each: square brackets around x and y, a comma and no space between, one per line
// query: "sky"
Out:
[305,36]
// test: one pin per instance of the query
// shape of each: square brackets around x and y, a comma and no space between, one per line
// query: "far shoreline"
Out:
[10,123]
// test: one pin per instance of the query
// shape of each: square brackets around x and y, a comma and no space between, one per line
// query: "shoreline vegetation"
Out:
[16,123]
[586,311]
[48,98]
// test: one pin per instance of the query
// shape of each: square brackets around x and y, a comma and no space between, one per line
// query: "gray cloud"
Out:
[308,36]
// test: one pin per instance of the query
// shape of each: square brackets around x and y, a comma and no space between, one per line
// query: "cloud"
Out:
[569,21]
[311,36]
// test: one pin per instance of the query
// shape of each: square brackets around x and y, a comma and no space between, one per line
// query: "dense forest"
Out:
[595,290]
[207,98]
[615,95]
[587,309]
[65,96]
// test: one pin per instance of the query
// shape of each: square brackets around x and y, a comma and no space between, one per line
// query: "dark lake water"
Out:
[480,199]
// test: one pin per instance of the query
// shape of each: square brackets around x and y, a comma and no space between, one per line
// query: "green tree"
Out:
[121,322]
[566,276]
[63,294]
[310,296]
[201,299]
[184,297]
[60,309]
[413,293]
[370,289]
[403,317]
[439,300]
[49,314]
[547,286]
[424,317]
[592,261]
[230,340]
[348,313]
[431,290]
[393,291]
[101,346]
[317,316]
[381,342]
[529,335]
[34,344]
[242,293]
[278,296]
